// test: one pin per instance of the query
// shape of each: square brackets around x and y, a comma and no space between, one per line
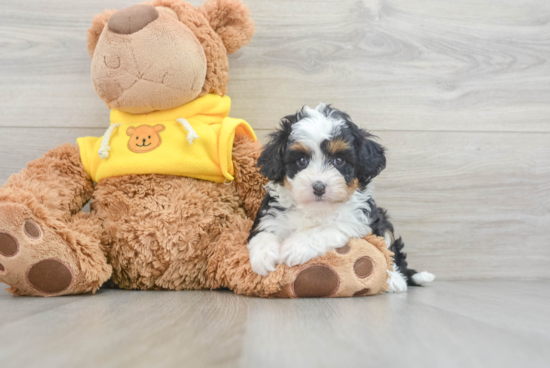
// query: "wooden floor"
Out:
[448,324]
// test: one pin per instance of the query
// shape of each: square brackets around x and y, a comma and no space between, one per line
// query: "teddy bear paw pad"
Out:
[50,276]
[359,268]
[33,258]
[32,229]
[316,281]
[9,246]
[363,267]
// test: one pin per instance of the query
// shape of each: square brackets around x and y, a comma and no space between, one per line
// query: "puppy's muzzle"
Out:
[319,188]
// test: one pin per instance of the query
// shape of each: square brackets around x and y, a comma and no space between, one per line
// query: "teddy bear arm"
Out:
[57,181]
[248,180]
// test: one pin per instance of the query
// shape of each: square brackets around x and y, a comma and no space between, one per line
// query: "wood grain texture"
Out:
[27,144]
[457,91]
[447,324]
[397,64]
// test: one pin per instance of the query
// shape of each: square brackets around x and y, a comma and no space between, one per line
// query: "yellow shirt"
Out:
[156,143]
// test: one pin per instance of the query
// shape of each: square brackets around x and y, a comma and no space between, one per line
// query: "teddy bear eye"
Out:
[137,138]
[149,137]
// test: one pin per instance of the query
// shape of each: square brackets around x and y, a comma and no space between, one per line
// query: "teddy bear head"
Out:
[165,53]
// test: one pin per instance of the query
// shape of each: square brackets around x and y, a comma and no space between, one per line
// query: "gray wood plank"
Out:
[396,64]
[392,331]
[27,144]
[447,324]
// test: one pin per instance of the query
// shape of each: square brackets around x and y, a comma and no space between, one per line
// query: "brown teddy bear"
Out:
[177,184]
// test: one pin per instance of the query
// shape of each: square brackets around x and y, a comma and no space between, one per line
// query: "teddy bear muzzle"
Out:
[132,19]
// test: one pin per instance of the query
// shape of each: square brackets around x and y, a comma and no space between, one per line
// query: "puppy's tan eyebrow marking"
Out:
[352,186]
[337,145]
[300,147]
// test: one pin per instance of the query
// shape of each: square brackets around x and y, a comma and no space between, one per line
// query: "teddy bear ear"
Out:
[231,20]
[98,23]
[158,128]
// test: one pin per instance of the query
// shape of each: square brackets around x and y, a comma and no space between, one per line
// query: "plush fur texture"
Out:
[320,165]
[169,232]
[156,232]
[153,232]
[231,20]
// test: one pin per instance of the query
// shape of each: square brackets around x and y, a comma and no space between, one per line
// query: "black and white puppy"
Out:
[320,166]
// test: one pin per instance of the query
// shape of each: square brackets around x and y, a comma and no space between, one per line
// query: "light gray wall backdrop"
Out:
[458,91]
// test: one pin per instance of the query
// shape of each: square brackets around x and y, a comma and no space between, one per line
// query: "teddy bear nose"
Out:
[132,19]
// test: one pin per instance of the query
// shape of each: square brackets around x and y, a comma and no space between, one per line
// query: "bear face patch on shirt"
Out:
[144,138]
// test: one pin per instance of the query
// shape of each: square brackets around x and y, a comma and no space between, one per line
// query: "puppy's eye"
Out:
[302,162]
[339,162]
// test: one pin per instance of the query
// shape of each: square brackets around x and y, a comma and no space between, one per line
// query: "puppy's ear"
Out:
[231,20]
[371,159]
[271,161]
[98,23]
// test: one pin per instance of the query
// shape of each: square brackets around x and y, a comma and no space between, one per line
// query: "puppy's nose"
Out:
[132,19]
[319,188]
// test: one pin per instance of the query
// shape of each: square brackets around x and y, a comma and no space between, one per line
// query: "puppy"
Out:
[320,166]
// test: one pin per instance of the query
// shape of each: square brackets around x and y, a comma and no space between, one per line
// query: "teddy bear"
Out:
[173,183]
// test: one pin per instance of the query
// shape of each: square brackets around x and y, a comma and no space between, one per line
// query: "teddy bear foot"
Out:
[358,269]
[36,260]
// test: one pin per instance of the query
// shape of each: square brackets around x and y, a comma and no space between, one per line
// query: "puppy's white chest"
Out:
[288,218]
[304,221]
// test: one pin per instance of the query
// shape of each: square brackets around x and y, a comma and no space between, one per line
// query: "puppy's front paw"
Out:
[396,282]
[298,250]
[264,253]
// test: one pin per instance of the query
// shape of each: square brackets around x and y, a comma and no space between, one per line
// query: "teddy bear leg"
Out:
[41,256]
[45,250]
[358,269]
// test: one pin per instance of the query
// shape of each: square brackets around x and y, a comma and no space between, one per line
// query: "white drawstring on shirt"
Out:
[191,134]
[105,148]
